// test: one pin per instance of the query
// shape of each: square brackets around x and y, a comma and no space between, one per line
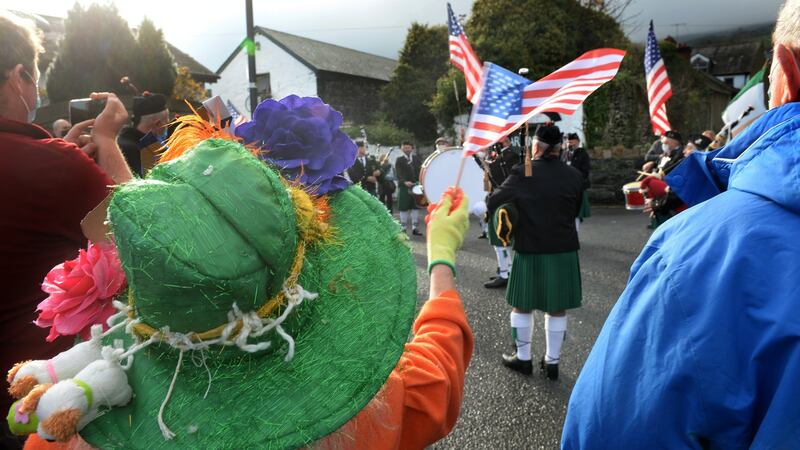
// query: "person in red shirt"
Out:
[47,186]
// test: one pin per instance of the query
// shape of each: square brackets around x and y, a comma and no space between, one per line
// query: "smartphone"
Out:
[81,109]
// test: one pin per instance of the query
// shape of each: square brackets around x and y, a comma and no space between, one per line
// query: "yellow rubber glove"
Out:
[448,222]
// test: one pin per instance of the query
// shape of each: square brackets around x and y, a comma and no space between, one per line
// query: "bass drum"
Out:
[439,172]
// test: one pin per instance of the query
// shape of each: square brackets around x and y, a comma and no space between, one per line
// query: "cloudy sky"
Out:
[379,26]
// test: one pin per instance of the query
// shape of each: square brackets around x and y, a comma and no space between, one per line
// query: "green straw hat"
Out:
[216,234]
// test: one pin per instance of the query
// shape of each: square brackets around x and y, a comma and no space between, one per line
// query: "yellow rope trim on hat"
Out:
[504,219]
[145,331]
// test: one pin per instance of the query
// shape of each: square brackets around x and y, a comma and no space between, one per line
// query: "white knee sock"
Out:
[555,328]
[414,218]
[404,219]
[521,324]
[577,224]
[502,260]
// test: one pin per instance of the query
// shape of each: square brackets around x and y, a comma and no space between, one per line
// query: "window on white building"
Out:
[701,63]
[263,86]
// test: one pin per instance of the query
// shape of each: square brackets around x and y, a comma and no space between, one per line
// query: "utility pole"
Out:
[250,46]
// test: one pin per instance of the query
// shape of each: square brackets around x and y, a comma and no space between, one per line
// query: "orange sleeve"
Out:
[34,442]
[432,369]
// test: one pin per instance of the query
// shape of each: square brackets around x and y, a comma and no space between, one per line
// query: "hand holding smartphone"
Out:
[82,109]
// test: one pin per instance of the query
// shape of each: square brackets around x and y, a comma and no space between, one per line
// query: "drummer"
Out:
[407,167]
[545,274]
[671,152]
[661,203]
[499,169]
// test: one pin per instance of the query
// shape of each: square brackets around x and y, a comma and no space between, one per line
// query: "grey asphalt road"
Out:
[501,408]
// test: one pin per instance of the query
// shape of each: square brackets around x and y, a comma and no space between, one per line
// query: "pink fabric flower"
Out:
[81,291]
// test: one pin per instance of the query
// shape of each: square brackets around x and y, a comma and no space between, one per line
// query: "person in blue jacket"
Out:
[702,349]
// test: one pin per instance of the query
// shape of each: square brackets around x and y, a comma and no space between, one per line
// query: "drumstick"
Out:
[645,174]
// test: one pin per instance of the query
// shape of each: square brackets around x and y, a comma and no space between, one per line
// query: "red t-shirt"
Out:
[47,186]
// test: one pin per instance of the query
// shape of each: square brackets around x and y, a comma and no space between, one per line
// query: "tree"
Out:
[423,60]
[155,69]
[443,105]
[380,131]
[94,54]
[186,87]
[541,35]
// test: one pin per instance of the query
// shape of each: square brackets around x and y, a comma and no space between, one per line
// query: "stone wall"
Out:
[611,169]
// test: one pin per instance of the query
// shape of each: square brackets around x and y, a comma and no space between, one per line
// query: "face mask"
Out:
[163,135]
[665,148]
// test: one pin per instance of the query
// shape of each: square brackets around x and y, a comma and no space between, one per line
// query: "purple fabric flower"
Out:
[301,136]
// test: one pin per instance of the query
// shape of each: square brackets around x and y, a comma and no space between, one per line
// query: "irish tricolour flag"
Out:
[747,106]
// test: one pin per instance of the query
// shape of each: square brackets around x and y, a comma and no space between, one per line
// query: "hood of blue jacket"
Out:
[764,160]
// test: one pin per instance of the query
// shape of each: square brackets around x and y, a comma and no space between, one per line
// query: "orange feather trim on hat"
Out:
[192,130]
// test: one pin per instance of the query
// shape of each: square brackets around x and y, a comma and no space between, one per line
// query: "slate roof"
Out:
[733,58]
[198,71]
[322,56]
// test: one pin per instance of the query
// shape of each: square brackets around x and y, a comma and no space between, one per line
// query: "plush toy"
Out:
[64,408]
[25,376]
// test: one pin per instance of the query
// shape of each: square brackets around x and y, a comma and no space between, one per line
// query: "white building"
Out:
[731,63]
[347,79]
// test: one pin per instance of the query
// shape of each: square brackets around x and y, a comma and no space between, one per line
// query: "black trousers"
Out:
[387,199]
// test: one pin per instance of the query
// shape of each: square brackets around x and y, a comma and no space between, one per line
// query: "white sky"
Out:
[210,30]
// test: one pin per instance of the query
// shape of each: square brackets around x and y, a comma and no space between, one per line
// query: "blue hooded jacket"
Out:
[702,349]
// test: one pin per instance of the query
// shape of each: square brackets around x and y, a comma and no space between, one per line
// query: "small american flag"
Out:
[462,56]
[509,100]
[236,117]
[658,87]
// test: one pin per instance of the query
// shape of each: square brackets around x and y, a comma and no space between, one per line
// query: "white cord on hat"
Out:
[249,325]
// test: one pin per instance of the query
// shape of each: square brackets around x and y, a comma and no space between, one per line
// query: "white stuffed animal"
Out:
[66,407]
[24,376]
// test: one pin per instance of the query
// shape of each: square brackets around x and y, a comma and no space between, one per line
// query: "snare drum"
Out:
[439,172]
[634,195]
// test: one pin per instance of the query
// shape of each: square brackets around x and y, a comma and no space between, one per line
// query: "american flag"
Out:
[462,56]
[236,117]
[509,100]
[658,87]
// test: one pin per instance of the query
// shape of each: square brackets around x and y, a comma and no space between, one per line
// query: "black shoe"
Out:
[497,282]
[483,236]
[512,362]
[549,370]
[416,232]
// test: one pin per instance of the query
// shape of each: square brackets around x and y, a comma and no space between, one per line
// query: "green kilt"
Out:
[547,282]
[585,210]
[405,201]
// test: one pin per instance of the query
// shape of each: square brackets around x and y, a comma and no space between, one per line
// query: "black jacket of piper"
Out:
[359,173]
[500,168]
[407,171]
[579,159]
[547,202]
[128,141]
